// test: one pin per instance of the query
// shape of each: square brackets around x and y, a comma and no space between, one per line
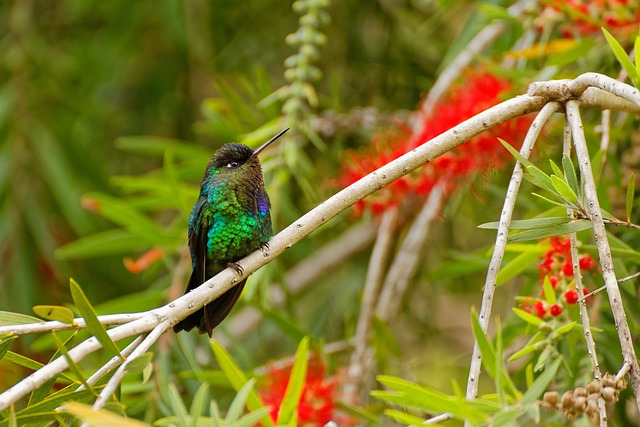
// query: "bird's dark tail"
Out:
[211,314]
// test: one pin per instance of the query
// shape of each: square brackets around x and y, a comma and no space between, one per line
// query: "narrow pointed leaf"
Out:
[564,190]
[139,363]
[558,230]
[237,378]
[55,312]
[99,418]
[570,173]
[237,406]
[540,385]
[622,57]
[5,345]
[73,367]
[8,318]
[287,413]
[556,170]
[516,266]
[527,317]
[198,404]
[486,347]
[515,153]
[93,324]
[539,178]
[528,224]
[631,188]
[549,293]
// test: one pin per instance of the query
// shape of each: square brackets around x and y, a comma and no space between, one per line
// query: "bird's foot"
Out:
[264,247]
[237,267]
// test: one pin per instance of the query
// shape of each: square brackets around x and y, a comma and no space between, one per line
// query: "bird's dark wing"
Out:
[216,311]
[198,247]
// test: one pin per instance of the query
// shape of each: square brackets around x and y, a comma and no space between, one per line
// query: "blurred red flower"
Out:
[480,154]
[317,402]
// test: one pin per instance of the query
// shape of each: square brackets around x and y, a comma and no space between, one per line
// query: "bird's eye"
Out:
[233,165]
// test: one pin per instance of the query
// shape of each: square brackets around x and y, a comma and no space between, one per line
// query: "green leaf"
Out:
[157,146]
[484,344]
[99,418]
[286,324]
[287,414]
[515,153]
[237,405]
[564,190]
[549,293]
[198,404]
[407,393]
[55,312]
[5,345]
[571,227]
[73,367]
[139,363]
[127,215]
[622,57]
[631,188]
[8,318]
[539,178]
[527,317]
[516,266]
[556,170]
[22,360]
[561,203]
[93,324]
[251,419]
[237,378]
[565,329]
[541,384]
[528,224]
[570,173]
[110,242]
[403,417]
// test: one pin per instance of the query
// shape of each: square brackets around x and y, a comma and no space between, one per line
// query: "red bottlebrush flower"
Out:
[539,309]
[571,296]
[143,262]
[553,280]
[317,402]
[480,154]
[567,267]
[587,263]
[555,310]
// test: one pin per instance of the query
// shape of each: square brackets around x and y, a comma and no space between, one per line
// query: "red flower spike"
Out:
[539,309]
[571,296]
[567,267]
[480,154]
[317,402]
[555,310]
[587,263]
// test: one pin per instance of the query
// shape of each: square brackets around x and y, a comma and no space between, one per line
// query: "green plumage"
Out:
[230,220]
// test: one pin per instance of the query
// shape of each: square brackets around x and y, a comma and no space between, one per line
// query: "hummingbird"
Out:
[230,219]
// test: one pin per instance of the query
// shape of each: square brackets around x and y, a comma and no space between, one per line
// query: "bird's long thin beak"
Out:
[266,144]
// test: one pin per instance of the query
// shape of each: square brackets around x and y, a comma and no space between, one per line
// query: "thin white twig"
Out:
[115,380]
[582,306]
[115,361]
[405,262]
[501,242]
[54,326]
[378,262]
[604,252]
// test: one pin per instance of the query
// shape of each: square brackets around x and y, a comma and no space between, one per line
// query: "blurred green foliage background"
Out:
[109,112]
